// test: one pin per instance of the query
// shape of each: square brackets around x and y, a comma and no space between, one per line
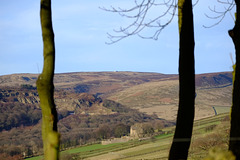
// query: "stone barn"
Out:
[136,131]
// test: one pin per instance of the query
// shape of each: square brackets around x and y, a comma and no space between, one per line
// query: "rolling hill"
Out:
[149,92]
[104,83]
[161,98]
[88,102]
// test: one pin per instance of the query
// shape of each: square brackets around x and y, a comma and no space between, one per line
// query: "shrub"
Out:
[219,154]
[121,130]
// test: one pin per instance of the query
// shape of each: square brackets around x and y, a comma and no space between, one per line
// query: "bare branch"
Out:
[195,3]
[220,15]
[142,18]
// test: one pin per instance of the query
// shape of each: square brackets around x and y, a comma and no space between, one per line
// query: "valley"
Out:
[148,92]
[91,103]
[207,133]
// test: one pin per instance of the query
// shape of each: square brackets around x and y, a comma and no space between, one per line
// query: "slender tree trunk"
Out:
[234,143]
[45,86]
[185,117]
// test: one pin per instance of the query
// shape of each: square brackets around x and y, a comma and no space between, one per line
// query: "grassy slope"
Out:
[161,98]
[159,148]
[148,92]
[209,132]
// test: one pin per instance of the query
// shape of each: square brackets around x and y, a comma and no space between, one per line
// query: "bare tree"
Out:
[234,141]
[139,14]
[219,15]
[185,118]
[45,86]
[142,19]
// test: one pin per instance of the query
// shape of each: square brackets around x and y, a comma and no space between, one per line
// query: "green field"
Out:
[154,148]
[222,109]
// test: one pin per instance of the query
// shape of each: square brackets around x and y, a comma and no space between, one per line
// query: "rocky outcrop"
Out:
[19,95]
[76,103]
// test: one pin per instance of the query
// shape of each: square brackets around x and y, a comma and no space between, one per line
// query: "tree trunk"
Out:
[234,143]
[45,86]
[185,117]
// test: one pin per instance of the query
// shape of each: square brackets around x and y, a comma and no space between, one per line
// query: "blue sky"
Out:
[81,28]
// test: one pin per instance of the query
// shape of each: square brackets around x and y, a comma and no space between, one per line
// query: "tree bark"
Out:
[185,117]
[45,86]
[234,143]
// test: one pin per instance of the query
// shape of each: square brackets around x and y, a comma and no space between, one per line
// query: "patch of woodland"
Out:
[82,129]
[20,122]
[24,141]
[5,156]
[18,114]
[116,107]
[24,136]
